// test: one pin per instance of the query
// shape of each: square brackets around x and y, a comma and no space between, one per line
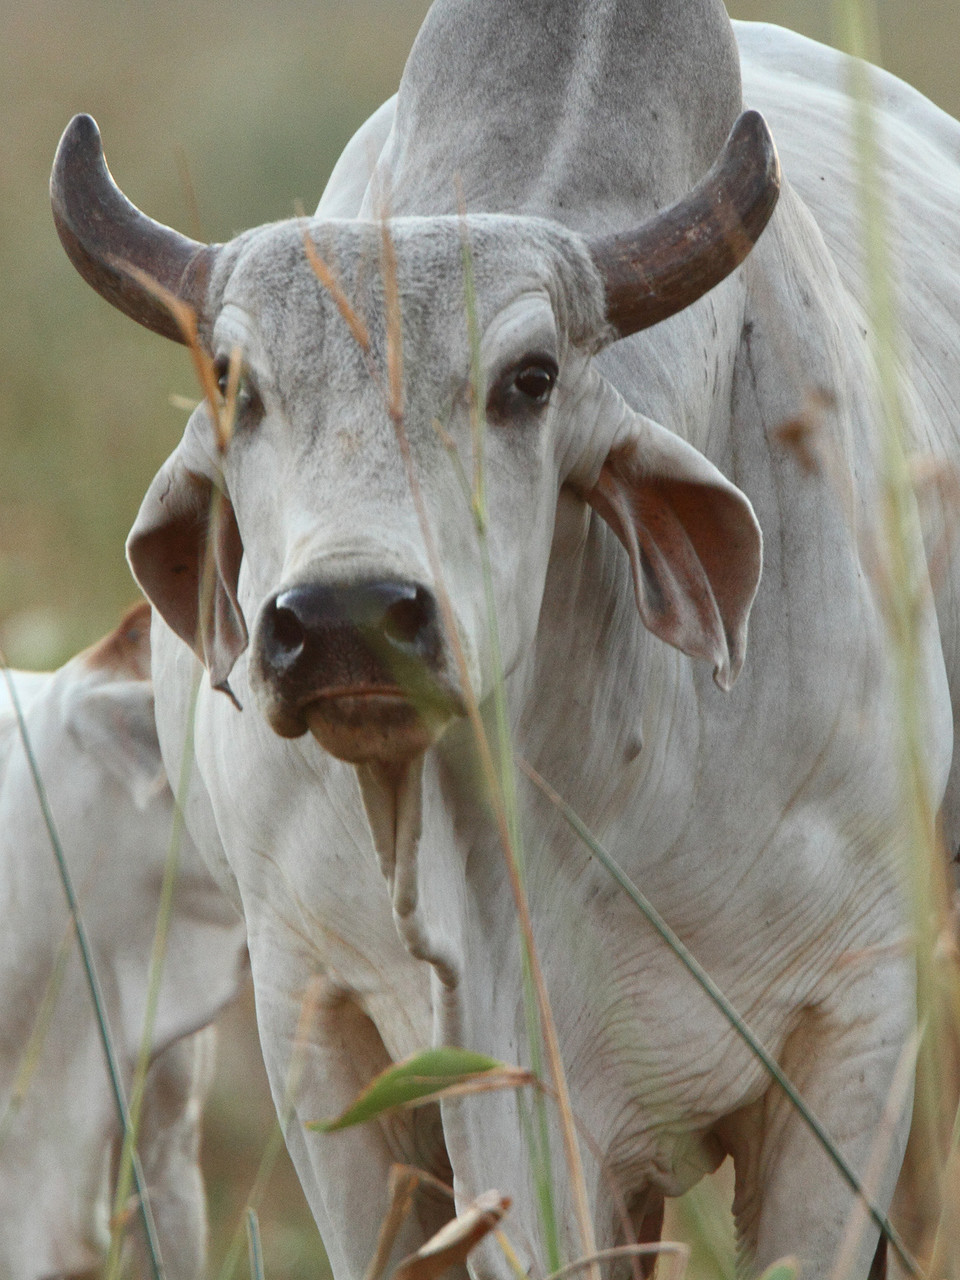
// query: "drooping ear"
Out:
[693,540]
[185,552]
[114,724]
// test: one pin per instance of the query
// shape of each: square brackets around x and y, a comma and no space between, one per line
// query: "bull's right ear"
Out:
[185,552]
[693,540]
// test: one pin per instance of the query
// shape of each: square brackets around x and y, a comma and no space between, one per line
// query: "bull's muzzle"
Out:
[362,666]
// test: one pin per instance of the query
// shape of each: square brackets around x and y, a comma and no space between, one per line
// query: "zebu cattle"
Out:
[93,737]
[632,456]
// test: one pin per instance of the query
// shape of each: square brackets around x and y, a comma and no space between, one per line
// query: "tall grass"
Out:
[43,407]
[127,1122]
[904,591]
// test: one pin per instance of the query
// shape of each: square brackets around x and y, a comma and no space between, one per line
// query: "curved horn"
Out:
[113,245]
[680,254]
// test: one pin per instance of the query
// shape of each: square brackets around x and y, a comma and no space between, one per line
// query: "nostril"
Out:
[324,623]
[288,634]
[407,619]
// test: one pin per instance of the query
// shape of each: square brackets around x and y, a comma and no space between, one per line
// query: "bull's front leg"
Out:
[850,1058]
[321,1049]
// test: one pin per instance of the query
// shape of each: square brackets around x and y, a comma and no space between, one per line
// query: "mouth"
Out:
[362,666]
[349,693]
[362,723]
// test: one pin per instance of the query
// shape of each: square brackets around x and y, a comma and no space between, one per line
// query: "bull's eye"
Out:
[221,367]
[525,386]
[246,394]
[535,380]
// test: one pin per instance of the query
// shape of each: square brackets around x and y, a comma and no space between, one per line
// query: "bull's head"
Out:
[345,534]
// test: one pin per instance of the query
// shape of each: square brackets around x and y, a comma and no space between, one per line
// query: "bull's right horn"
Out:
[676,257]
[113,245]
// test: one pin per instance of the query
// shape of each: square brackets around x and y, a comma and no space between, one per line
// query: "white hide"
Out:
[92,734]
[761,822]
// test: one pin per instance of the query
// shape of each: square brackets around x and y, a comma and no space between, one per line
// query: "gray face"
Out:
[397,407]
[366,434]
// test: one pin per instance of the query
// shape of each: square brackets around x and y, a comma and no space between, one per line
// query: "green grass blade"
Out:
[707,984]
[38,1034]
[155,976]
[785,1269]
[418,1078]
[256,1248]
[538,1134]
[705,1222]
[268,1159]
[93,982]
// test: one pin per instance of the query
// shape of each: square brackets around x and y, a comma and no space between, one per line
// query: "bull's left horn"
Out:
[680,254]
[113,245]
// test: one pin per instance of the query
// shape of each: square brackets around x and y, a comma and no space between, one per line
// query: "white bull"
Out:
[92,733]
[761,819]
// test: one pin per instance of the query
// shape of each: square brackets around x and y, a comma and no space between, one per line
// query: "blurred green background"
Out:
[216,116]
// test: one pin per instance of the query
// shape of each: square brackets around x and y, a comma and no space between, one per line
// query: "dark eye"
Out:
[524,387]
[535,380]
[246,391]
[221,368]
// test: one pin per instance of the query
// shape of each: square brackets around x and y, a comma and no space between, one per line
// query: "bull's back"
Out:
[803,88]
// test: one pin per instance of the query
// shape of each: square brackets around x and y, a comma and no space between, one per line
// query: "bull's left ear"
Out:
[693,540]
[185,552]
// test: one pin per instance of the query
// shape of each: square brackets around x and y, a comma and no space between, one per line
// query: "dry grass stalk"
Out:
[488,765]
[404,1181]
[325,275]
[674,1249]
[455,1241]
[128,1125]
[222,409]
[902,586]
[394,324]
[186,319]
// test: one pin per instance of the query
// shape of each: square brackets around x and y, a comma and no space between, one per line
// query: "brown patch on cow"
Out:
[125,652]
[804,435]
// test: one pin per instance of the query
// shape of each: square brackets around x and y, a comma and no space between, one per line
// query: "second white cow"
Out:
[91,730]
